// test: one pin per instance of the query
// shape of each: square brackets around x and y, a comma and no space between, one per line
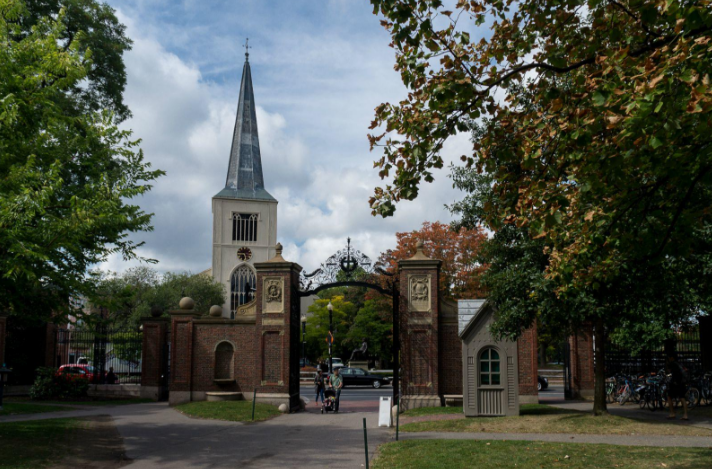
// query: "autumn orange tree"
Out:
[595,129]
[458,249]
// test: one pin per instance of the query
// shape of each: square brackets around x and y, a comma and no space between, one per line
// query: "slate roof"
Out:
[244,173]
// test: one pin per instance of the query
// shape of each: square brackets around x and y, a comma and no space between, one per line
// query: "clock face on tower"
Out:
[244,254]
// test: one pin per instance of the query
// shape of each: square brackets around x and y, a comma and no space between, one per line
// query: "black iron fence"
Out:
[107,355]
[686,343]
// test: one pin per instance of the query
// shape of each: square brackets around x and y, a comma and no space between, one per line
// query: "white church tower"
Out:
[244,213]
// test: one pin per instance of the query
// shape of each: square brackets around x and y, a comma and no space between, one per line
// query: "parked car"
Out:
[543,383]
[78,371]
[360,377]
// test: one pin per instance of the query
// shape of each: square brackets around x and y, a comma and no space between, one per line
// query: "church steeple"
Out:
[244,173]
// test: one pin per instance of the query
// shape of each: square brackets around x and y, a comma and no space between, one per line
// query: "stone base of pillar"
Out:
[415,402]
[528,399]
[178,397]
[152,392]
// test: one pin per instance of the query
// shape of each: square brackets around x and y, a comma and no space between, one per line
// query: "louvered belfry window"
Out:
[244,227]
[242,288]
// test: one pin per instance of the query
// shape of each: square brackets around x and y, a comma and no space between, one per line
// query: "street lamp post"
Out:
[4,373]
[330,307]
[304,340]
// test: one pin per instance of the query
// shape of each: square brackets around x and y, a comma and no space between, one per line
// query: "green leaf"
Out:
[599,99]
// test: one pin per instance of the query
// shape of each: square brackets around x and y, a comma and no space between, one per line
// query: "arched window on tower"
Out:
[242,288]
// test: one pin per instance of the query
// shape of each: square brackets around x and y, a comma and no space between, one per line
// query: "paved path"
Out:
[157,436]
[623,440]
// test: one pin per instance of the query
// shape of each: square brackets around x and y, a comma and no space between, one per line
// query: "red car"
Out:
[77,372]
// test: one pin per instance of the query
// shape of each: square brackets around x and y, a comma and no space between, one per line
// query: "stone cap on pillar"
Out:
[419,260]
[278,262]
[187,308]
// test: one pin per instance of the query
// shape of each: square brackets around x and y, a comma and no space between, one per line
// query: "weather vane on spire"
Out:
[247,47]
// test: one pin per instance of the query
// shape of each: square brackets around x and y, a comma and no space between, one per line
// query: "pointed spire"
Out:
[244,173]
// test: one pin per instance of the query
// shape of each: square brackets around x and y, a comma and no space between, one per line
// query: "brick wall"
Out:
[207,337]
[450,360]
[527,346]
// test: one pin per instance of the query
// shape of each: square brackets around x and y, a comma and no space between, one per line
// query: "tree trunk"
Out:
[599,355]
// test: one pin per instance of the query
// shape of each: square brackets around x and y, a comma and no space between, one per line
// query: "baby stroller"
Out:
[329,403]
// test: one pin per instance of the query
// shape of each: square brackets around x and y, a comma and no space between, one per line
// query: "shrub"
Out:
[49,385]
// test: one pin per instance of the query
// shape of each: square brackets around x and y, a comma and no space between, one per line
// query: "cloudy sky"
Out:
[319,69]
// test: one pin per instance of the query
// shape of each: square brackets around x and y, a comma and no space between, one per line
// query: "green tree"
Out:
[639,308]
[127,346]
[124,299]
[68,174]
[595,131]
[93,31]
[369,324]
[318,327]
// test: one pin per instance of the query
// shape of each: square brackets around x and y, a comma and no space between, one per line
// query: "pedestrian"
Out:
[336,382]
[110,376]
[677,387]
[319,386]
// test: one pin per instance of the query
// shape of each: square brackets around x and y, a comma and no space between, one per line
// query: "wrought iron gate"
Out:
[99,349]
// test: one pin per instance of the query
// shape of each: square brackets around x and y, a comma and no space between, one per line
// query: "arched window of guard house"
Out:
[242,287]
[224,363]
[489,368]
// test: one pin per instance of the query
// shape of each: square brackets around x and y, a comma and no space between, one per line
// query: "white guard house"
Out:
[490,373]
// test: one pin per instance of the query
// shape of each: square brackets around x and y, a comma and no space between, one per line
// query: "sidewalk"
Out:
[157,436]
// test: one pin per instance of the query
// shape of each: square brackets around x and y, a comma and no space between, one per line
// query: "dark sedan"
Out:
[543,383]
[359,377]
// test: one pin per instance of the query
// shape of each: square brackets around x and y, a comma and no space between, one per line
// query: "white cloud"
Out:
[312,122]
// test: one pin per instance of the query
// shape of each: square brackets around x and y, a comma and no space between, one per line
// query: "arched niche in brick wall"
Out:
[224,361]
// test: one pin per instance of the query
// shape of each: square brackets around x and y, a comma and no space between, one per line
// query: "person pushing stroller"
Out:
[336,382]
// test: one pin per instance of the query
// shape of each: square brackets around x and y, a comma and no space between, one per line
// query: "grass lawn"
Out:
[14,408]
[453,454]
[538,418]
[100,402]
[236,411]
[35,444]
[419,412]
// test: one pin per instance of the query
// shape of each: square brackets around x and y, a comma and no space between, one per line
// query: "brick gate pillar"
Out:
[154,356]
[582,372]
[527,348]
[182,352]
[277,326]
[419,280]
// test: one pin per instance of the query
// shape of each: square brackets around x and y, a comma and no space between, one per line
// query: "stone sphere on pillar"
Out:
[156,311]
[216,311]
[186,303]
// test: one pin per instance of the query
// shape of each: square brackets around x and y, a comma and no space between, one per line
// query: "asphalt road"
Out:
[352,393]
